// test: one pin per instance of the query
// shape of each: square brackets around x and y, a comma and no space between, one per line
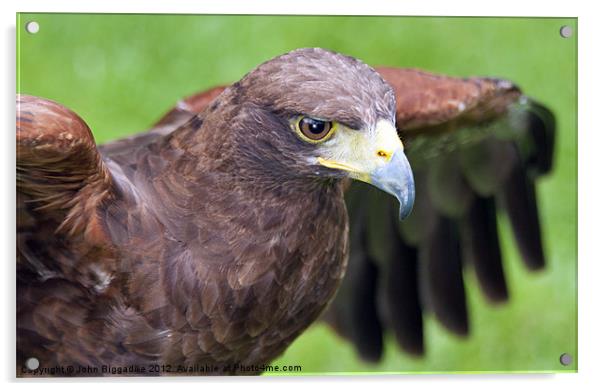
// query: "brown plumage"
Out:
[210,240]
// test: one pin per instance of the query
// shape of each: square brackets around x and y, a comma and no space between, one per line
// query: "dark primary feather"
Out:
[360,306]
[482,249]
[455,130]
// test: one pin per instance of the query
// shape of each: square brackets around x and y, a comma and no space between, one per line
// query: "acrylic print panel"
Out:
[214,243]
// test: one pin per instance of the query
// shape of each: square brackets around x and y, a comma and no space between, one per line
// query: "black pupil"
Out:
[314,126]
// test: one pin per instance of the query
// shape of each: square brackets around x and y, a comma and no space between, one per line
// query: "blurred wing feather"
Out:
[61,180]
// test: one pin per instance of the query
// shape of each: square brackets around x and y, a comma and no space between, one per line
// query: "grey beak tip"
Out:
[406,206]
[396,178]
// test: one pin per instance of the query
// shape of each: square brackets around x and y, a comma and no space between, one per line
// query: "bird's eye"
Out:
[314,129]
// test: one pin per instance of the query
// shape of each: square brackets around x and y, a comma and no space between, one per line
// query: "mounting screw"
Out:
[566,31]
[32,27]
[566,359]
[32,363]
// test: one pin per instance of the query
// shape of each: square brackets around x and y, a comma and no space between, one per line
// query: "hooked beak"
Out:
[377,159]
[396,178]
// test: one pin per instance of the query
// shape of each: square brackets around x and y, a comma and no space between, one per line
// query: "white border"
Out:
[347,7]
[590,196]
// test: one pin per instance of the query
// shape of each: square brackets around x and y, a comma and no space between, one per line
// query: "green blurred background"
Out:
[122,72]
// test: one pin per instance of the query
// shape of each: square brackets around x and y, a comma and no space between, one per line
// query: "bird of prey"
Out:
[208,243]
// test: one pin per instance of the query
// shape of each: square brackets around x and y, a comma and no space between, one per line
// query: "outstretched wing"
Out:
[61,180]
[476,146]
[64,257]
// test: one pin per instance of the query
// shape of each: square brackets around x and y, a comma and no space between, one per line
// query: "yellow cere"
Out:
[360,152]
